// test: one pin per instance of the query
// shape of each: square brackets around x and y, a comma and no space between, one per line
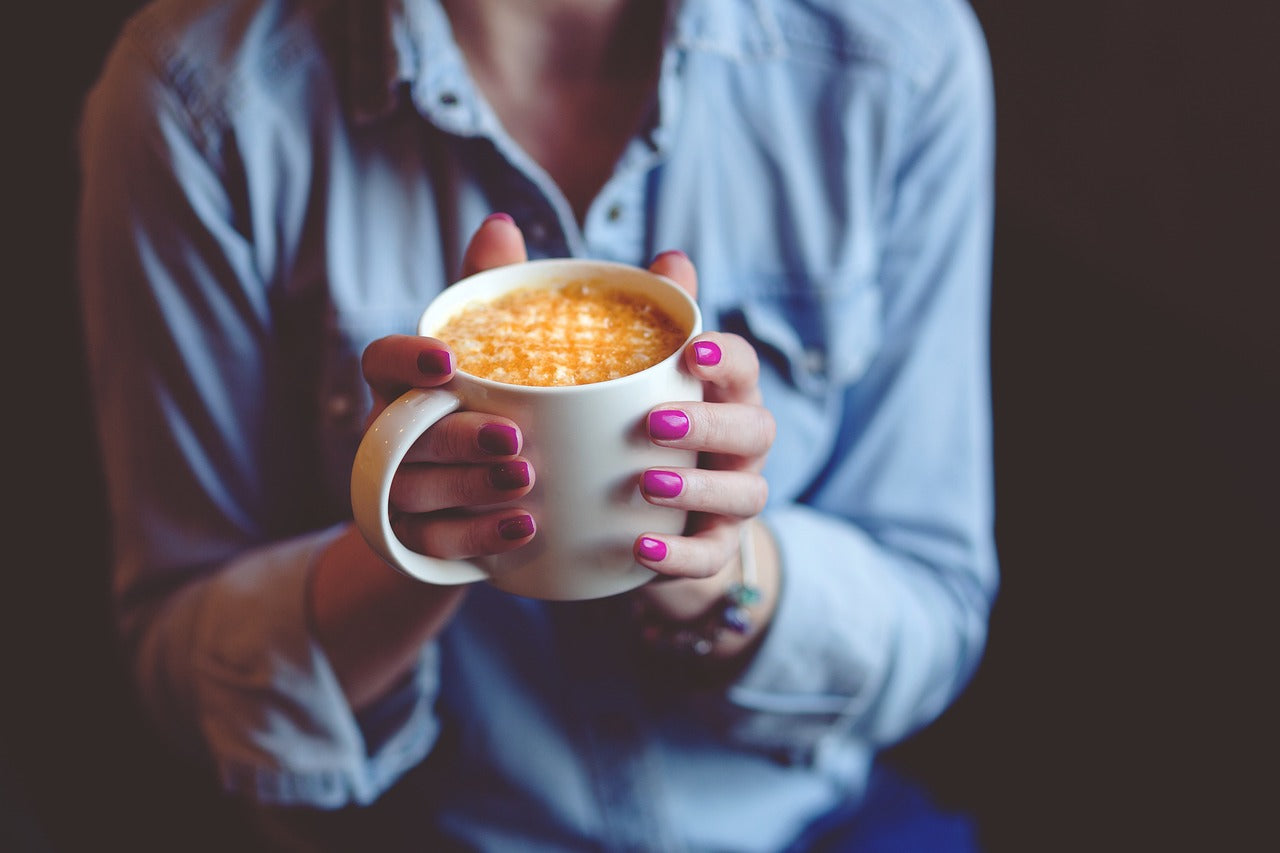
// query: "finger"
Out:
[741,494]
[428,488]
[733,429]
[700,556]
[496,243]
[728,364]
[396,363]
[467,437]
[454,536]
[675,265]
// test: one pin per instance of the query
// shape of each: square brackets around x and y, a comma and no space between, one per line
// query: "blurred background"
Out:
[1124,701]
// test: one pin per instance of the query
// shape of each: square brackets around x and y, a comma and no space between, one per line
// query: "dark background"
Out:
[1123,702]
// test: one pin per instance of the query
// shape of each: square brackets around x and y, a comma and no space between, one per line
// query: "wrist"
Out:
[371,620]
[735,621]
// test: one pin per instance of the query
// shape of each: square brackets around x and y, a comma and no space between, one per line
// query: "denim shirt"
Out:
[269,185]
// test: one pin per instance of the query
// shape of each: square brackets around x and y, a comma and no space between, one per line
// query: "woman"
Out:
[274,189]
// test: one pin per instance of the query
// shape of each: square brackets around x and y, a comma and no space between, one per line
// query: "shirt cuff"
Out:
[801,681]
[272,713]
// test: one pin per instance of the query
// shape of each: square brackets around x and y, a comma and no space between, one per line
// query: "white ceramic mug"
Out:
[587,443]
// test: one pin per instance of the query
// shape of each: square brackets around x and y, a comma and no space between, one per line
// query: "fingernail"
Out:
[671,253]
[509,475]
[654,550]
[662,484]
[498,439]
[706,353]
[515,528]
[435,362]
[668,424]
[499,217]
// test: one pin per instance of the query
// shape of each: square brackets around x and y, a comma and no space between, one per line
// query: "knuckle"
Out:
[404,491]
[768,427]
[368,361]
[761,498]
[706,567]
[461,486]
[749,360]
[473,538]
[454,439]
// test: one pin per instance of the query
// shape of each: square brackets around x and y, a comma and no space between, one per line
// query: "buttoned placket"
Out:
[518,186]
[614,228]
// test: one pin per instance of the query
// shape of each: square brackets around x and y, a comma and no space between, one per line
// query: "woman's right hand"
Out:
[466,460]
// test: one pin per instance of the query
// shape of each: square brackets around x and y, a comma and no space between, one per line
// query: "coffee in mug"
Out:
[582,410]
[576,333]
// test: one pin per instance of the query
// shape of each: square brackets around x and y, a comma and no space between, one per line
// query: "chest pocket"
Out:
[819,336]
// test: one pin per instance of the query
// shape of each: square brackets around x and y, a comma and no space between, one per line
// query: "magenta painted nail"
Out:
[662,484]
[499,217]
[668,424]
[706,353]
[498,439]
[672,253]
[515,528]
[509,475]
[653,550]
[435,362]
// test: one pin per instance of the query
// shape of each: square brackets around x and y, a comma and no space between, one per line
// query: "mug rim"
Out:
[508,387]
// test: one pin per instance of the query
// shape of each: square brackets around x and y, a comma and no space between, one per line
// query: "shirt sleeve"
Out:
[208,458]
[889,565]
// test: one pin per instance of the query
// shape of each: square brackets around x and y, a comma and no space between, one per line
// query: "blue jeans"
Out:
[896,816]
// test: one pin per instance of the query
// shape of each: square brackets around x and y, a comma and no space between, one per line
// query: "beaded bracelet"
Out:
[698,637]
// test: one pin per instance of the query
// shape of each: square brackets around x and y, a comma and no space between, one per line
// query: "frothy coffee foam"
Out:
[577,334]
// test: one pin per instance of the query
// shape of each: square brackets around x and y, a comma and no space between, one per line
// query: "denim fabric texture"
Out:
[272,184]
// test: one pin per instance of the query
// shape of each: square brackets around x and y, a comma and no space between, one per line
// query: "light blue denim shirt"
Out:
[269,185]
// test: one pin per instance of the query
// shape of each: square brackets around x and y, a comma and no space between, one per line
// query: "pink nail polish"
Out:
[509,475]
[653,550]
[515,528]
[498,439]
[662,484]
[671,253]
[435,362]
[668,424]
[499,217]
[706,353]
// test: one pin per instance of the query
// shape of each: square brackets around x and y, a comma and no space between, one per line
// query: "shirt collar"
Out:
[397,42]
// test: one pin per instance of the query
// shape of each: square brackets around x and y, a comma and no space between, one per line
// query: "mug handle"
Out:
[381,451]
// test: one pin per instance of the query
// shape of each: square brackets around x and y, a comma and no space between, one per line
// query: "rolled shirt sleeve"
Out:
[205,445]
[238,659]
[892,549]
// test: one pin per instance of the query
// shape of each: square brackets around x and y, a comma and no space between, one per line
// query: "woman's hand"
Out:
[371,620]
[732,432]
[466,459]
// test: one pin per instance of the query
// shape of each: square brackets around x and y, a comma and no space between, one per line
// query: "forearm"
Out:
[372,621]
[230,666]
[867,637]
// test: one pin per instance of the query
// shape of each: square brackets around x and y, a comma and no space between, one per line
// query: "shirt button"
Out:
[448,99]
[614,213]
[815,361]
[338,406]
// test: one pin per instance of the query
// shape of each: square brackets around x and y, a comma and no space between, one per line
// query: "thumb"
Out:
[496,243]
[675,265]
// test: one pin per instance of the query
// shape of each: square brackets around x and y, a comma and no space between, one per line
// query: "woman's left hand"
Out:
[732,432]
